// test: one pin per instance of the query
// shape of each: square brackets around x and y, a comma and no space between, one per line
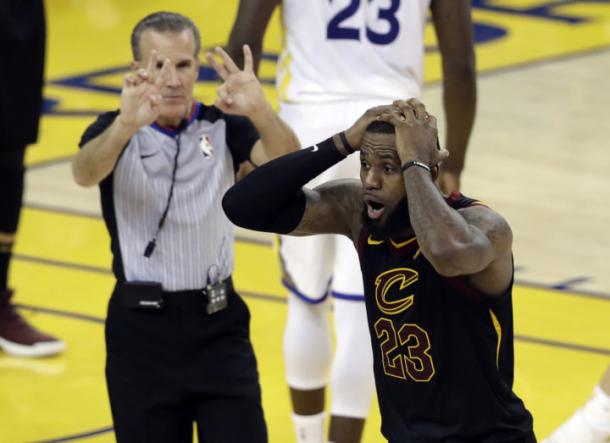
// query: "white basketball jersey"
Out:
[346,49]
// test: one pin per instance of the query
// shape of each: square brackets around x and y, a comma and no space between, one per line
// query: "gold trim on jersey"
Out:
[498,329]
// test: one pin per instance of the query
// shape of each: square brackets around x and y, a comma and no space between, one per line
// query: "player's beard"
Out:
[397,224]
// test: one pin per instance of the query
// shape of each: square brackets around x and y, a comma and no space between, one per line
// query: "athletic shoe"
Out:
[19,338]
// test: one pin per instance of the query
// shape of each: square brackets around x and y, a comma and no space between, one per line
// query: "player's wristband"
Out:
[407,165]
[347,148]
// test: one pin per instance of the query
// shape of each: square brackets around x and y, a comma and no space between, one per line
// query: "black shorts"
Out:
[171,367]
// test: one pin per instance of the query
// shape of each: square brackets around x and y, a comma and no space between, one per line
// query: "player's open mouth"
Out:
[374,209]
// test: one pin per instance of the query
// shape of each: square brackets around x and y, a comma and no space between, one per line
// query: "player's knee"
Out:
[308,314]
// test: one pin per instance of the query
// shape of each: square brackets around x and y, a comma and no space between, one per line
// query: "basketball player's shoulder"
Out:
[348,190]
[344,194]
[457,200]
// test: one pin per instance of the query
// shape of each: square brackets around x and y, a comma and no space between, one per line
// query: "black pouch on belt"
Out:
[142,295]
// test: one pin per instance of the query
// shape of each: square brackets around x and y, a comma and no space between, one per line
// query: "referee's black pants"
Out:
[169,368]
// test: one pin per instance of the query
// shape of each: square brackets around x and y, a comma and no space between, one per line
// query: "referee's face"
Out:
[177,89]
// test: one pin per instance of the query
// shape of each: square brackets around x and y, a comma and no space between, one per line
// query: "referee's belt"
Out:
[151,296]
[227,281]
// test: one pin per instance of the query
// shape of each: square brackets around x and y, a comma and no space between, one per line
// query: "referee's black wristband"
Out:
[407,165]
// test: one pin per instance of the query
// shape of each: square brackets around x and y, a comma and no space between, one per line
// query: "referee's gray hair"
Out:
[163,21]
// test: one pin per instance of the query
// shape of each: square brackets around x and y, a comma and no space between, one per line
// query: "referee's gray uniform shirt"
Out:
[195,244]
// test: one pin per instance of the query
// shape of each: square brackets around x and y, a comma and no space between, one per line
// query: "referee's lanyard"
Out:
[150,247]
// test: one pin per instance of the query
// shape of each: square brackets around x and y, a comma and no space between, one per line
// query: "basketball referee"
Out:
[177,333]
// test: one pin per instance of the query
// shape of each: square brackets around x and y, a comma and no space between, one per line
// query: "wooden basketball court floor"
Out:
[539,155]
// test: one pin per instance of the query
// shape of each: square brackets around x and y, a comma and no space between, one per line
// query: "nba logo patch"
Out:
[205,144]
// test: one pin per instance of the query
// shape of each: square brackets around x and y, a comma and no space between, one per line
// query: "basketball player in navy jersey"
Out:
[437,270]
[340,58]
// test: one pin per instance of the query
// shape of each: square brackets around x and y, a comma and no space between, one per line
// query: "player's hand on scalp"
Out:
[241,93]
[416,132]
[355,133]
[141,98]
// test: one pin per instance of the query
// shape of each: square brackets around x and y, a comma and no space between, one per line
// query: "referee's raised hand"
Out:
[141,98]
[241,93]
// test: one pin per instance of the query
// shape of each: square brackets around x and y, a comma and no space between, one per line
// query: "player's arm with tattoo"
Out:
[474,241]
[271,198]
[332,208]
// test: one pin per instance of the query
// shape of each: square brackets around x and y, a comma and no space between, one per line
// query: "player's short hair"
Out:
[163,21]
[380,127]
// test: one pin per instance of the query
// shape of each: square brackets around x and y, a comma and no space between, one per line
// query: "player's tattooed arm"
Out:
[272,198]
[453,244]
[332,208]
[498,274]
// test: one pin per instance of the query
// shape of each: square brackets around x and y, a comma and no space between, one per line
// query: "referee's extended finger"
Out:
[163,75]
[227,60]
[220,69]
[152,62]
[248,61]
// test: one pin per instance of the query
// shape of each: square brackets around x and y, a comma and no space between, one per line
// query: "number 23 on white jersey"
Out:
[346,49]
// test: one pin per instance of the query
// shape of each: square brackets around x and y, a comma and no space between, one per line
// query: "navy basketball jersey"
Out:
[443,352]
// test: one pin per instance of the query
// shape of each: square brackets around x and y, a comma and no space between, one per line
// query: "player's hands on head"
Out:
[141,98]
[355,134]
[241,93]
[416,132]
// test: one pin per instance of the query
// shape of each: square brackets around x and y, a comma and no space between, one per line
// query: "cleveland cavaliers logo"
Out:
[395,281]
